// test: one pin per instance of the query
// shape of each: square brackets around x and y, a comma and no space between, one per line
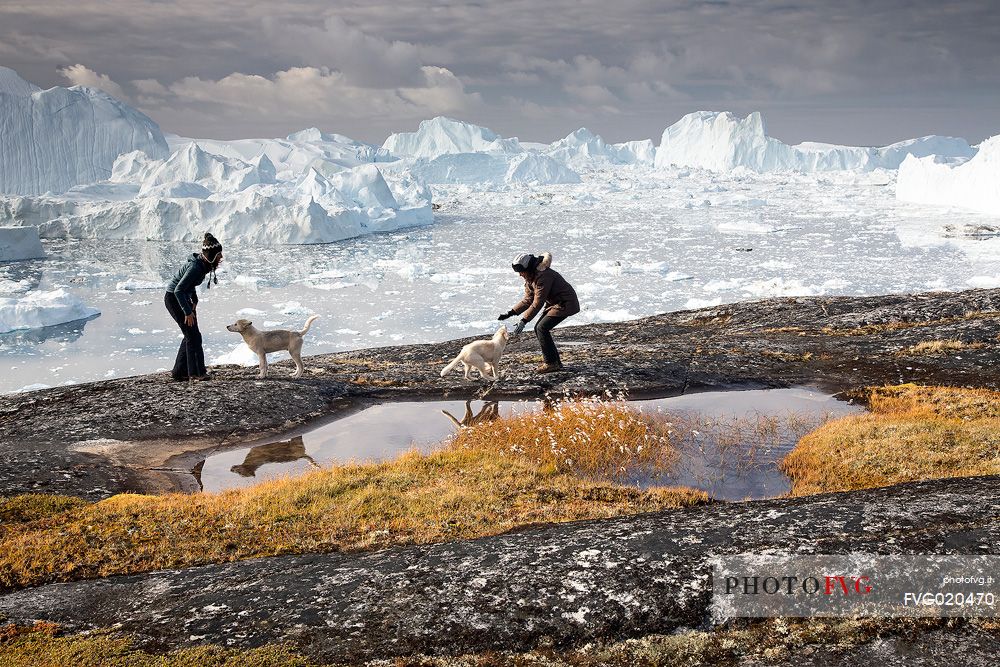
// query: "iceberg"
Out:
[583,146]
[42,309]
[57,138]
[490,170]
[444,136]
[297,153]
[20,243]
[720,141]
[972,184]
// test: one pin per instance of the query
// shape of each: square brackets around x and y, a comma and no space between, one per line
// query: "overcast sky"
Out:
[844,71]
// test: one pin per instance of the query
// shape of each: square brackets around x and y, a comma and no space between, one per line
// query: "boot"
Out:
[549,368]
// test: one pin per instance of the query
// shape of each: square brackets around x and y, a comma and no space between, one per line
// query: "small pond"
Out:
[729,442]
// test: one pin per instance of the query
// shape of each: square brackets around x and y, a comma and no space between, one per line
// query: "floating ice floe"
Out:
[134,284]
[57,138]
[720,141]
[293,308]
[42,309]
[20,243]
[972,184]
[618,268]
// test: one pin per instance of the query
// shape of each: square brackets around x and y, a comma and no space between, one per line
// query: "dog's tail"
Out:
[308,324]
[450,367]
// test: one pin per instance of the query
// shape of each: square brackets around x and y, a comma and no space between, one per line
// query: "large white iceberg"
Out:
[297,153]
[42,309]
[973,184]
[490,170]
[57,138]
[20,243]
[443,136]
[583,146]
[720,141]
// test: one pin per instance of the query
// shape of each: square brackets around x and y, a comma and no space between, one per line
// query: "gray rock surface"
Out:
[558,586]
[839,342]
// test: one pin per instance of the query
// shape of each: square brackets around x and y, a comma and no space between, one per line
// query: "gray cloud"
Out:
[848,72]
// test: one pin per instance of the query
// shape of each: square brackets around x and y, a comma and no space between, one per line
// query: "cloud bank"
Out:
[849,72]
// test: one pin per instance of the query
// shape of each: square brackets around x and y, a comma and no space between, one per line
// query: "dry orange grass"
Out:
[912,433]
[465,490]
[936,347]
[594,437]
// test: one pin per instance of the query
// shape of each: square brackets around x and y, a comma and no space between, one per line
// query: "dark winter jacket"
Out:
[190,276]
[547,288]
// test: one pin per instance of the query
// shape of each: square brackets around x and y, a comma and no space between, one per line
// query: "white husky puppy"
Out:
[481,354]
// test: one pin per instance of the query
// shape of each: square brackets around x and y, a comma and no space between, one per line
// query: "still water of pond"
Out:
[729,442]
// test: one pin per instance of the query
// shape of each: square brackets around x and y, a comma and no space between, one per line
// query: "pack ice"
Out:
[721,142]
[973,184]
[57,138]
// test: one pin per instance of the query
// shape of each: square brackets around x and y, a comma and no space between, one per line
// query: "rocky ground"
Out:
[127,434]
[559,586]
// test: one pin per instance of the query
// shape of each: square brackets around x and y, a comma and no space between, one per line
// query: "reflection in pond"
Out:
[287,451]
[24,339]
[728,443]
[489,412]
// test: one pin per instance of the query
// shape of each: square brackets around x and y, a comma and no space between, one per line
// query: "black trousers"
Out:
[543,329]
[190,361]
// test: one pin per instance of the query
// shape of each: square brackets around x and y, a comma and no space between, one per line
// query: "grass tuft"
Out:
[912,433]
[937,347]
[594,437]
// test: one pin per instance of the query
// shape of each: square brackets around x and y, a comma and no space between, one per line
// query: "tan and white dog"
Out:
[483,355]
[264,342]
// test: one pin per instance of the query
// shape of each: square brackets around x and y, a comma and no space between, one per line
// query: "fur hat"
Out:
[525,263]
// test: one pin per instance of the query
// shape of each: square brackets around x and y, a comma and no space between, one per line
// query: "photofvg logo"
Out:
[827,584]
[750,585]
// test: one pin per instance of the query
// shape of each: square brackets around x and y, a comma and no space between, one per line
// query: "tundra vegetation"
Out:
[560,464]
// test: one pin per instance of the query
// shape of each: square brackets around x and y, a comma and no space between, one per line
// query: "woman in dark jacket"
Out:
[181,301]
[543,288]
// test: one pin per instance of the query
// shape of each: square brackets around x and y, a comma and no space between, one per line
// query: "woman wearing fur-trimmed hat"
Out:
[181,301]
[546,291]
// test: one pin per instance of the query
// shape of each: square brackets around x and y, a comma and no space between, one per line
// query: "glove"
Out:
[506,315]
[519,328]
